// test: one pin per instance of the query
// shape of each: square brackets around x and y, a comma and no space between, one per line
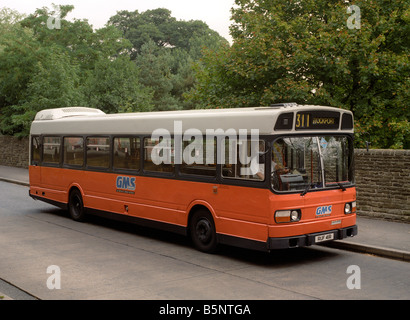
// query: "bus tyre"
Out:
[203,232]
[76,206]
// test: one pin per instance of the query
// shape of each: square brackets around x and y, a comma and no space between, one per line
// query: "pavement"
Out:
[384,238]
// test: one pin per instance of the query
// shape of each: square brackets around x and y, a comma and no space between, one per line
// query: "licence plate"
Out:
[324,237]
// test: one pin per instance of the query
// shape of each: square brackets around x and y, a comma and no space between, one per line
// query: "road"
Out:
[103,259]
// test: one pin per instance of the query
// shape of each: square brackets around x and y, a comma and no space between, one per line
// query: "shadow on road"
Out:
[277,258]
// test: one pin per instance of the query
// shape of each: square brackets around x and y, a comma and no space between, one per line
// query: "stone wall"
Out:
[382,177]
[14,151]
[383,183]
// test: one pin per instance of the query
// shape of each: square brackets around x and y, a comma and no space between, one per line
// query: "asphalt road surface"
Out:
[46,255]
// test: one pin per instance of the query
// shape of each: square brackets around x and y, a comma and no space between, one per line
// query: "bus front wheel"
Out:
[203,232]
[76,205]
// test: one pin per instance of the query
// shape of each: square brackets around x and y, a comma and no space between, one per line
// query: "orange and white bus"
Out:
[192,172]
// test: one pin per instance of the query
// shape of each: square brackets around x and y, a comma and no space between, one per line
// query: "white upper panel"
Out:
[53,114]
[78,120]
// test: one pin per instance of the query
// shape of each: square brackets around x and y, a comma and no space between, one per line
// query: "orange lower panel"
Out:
[238,211]
[140,210]
[51,194]
[243,229]
[301,228]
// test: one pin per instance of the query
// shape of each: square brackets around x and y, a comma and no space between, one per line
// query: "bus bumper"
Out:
[312,238]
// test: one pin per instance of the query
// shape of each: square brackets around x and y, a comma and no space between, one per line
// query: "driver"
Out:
[278,165]
[278,157]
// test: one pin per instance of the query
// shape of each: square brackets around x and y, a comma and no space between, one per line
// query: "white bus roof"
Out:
[82,121]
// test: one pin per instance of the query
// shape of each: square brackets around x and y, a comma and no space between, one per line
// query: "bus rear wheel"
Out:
[203,233]
[76,205]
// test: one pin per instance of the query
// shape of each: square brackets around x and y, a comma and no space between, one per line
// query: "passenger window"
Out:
[51,149]
[98,152]
[199,157]
[127,153]
[244,159]
[74,151]
[35,149]
[159,155]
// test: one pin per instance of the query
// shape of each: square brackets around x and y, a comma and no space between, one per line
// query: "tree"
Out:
[54,84]
[43,67]
[304,51]
[113,86]
[141,28]
[155,72]
[138,62]
[164,30]
[165,50]
[84,45]
[18,49]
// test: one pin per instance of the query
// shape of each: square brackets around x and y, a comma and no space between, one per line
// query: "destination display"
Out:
[317,120]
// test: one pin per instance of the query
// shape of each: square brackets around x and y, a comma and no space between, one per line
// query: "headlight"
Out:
[284,216]
[350,207]
[294,215]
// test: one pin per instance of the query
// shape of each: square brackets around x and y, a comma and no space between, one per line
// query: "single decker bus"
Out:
[262,178]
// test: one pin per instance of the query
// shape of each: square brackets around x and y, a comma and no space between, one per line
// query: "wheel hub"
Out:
[203,230]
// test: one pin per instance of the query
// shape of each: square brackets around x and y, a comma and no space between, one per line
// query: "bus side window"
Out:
[241,162]
[159,155]
[127,153]
[35,150]
[98,152]
[73,151]
[196,160]
[51,150]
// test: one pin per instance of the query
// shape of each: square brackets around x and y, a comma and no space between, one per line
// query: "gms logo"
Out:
[323,211]
[125,184]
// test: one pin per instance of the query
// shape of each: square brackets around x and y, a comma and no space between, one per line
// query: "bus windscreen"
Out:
[317,162]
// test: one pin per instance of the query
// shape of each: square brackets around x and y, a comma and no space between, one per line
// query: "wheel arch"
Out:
[71,188]
[198,205]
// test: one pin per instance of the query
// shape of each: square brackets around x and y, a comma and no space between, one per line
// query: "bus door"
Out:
[35,158]
[242,201]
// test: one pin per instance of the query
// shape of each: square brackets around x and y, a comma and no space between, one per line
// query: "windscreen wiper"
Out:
[310,185]
[341,186]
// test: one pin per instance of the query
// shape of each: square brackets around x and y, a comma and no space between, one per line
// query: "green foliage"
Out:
[137,62]
[53,84]
[113,86]
[303,51]
[165,50]
[155,72]
[164,30]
